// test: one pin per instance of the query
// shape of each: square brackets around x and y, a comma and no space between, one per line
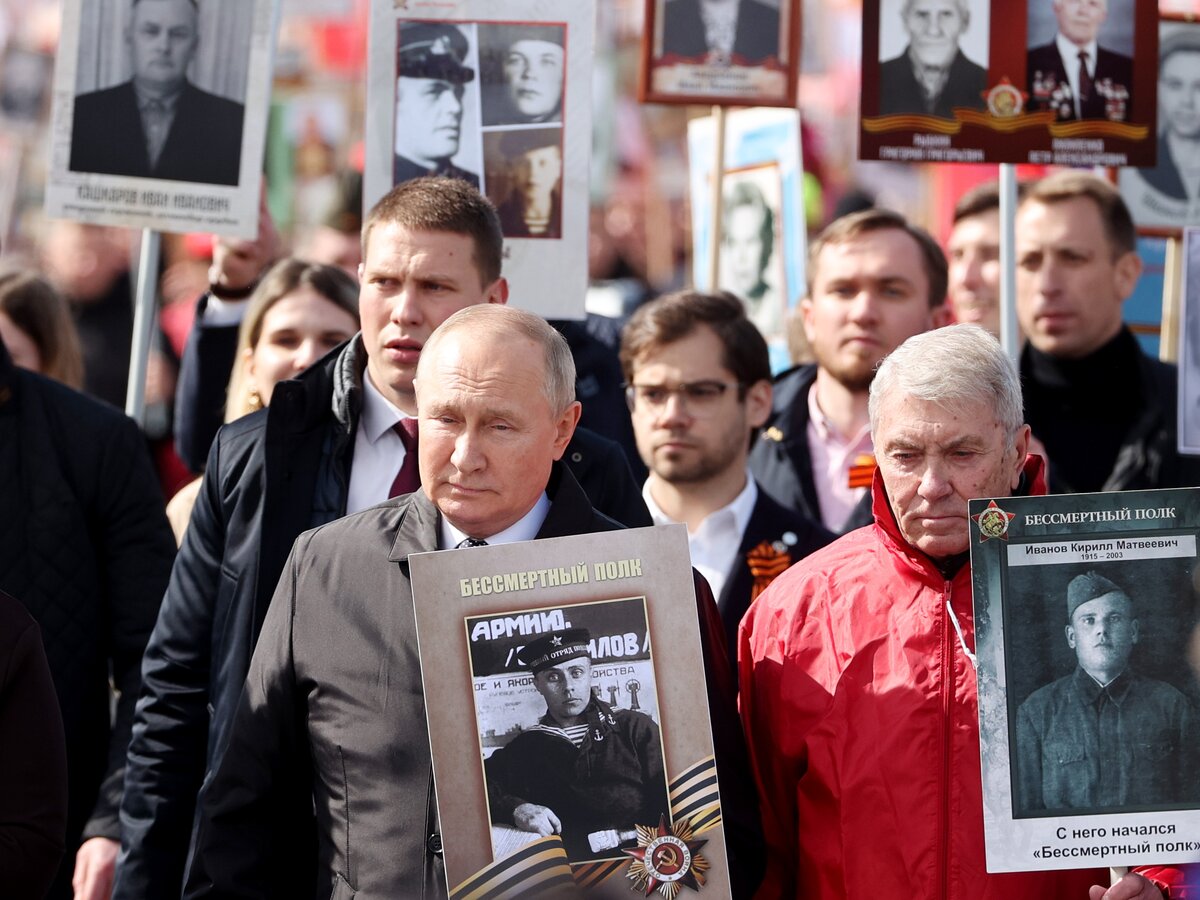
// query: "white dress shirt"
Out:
[378,450]
[524,529]
[1069,51]
[714,544]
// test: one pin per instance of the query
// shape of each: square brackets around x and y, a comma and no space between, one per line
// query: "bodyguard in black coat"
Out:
[85,546]
[757,36]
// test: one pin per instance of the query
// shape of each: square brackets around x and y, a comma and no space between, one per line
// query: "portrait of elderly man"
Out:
[587,770]
[1177,174]
[158,124]
[1073,75]
[430,80]
[933,75]
[530,202]
[523,68]
[742,32]
[1105,737]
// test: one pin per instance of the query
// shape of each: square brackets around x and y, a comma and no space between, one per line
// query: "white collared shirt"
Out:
[1069,51]
[715,542]
[378,450]
[524,529]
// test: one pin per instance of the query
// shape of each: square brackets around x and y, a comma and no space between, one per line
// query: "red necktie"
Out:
[408,479]
[1085,79]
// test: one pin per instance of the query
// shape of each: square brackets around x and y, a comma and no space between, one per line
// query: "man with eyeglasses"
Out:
[874,280]
[698,386]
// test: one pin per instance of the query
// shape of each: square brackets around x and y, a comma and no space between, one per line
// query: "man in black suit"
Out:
[932,75]
[429,108]
[158,124]
[744,32]
[1073,75]
[699,386]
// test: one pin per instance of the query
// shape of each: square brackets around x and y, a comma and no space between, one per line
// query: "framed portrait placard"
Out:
[497,94]
[1163,196]
[564,690]
[984,81]
[167,136]
[735,52]
[1084,609]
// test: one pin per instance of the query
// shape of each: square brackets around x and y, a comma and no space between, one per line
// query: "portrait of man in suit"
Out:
[933,75]
[741,32]
[158,124]
[1073,75]
[431,79]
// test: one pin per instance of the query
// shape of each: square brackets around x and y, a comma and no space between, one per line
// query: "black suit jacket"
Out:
[1045,72]
[899,91]
[203,146]
[757,35]
[404,169]
[789,532]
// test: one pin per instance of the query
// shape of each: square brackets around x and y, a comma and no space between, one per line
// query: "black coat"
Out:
[203,146]
[780,460]
[790,533]
[270,476]
[33,759]
[333,719]
[1044,66]
[85,546]
[757,35]
[899,91]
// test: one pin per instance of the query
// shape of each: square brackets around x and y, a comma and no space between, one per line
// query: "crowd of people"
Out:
[268,737]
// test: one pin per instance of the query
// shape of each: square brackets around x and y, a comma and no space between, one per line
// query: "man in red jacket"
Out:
[858,686]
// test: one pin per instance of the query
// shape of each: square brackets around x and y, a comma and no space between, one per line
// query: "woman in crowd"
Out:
[298,313]
[36,326]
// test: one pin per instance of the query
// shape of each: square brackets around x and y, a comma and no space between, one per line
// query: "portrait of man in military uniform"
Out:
[1105,737]
[431,78]
[588,769]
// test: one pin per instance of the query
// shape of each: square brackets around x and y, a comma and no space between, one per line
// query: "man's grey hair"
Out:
[495,319]
[964,10]
[952,367]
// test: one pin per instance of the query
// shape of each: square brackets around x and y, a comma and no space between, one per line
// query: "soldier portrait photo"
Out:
[523,70]
[524,180]
[1116,729]
[574,748]
[160,88]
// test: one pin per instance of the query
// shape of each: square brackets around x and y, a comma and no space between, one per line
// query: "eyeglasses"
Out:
[699,398]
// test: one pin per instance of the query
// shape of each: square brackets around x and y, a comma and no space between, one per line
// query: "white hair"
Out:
[952,367]
[964,10]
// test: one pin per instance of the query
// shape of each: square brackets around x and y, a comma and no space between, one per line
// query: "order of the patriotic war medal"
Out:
[666,859]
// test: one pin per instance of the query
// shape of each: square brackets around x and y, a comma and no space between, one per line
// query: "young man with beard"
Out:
[874,281]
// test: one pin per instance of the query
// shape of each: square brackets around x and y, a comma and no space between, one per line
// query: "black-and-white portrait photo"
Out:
[933,56]
[1189,345]
[737,32]
[25,77]
[1167,195]
[523,72]
[751,263]
[569,727]
[1080,58]
[524,178]
[437,102]
[160,88]
[1101,697]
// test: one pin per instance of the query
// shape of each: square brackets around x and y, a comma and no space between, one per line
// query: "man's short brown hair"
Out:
[856,224]
[675,316]
[1114,214]
[443,204]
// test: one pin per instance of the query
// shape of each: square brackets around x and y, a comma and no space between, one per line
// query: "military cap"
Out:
[554,648]
[433,50]
[507,35]
[514,144]
[1089,586]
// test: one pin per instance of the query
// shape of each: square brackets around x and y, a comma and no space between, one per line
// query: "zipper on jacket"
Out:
[947,734]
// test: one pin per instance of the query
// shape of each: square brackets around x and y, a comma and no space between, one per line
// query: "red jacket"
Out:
[861,715]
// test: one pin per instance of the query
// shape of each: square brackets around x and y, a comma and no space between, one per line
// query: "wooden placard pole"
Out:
[144,308]
[714,234]
[1172,295]
[1116,873]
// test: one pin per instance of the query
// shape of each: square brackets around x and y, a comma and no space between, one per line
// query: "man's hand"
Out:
[236,265]
[540,820]
[95,864]
[1131,887]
